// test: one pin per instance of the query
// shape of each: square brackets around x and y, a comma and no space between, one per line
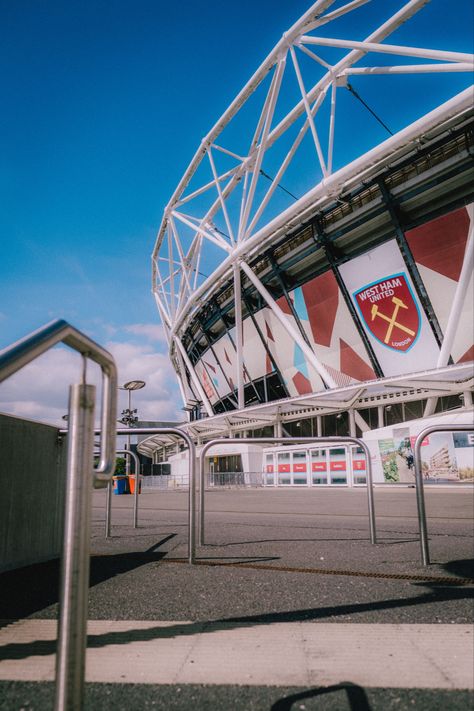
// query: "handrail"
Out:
[288,441]
[74,583]
[16,356]
[420,492]
[108,501]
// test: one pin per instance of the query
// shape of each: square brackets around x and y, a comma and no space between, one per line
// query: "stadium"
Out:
[313,270]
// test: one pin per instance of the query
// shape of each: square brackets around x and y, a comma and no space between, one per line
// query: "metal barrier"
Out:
[191,472]
[235,479]
[286,440]
[108,502]
[156,482]
[74,584]
[420,492]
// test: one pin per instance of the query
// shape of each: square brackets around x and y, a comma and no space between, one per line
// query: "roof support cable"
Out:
[269,177]
[357,96]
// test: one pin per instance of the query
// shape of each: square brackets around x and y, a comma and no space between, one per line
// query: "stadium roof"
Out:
[386,391]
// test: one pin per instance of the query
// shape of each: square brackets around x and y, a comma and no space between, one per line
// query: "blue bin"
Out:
[120,485]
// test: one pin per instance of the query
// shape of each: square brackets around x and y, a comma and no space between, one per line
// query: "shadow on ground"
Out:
[35,587]
[461,568]
[434,594]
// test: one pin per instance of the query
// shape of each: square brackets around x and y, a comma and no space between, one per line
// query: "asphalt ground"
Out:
[272,557]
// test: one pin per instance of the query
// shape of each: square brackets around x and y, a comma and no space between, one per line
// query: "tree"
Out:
[120,467]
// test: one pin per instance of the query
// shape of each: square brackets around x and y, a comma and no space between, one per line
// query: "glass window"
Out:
[359,467]
[269,470]
[338,465]
[284,469]
[319,466]
[300,476]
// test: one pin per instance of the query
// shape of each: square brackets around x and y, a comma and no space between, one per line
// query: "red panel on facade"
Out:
[269,468]
[284,305]
[353,365]
[321,296]
[358,464]
[268,364]
[338,466]
[283,467]
[318,467]
[299,467]
[468,355]
[440,244]
[269,333]
[302,384]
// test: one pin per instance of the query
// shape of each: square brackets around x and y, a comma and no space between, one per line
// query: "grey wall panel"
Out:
[32,485]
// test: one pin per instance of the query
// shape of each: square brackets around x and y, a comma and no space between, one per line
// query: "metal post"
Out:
[202,502]
[137,489]
[352,423]
[192,501]
[420,493]
[70,659]
[132,455]
[380,416]
[370,493]
[420,504]
[127,461]
[108,507]
[108,504]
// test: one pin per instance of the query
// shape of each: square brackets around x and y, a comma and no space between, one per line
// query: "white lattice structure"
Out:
[243,192]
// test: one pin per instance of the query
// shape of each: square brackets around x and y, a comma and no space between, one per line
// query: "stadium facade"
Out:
[344,310]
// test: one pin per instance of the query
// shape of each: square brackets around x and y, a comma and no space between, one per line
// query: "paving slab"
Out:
[282,654]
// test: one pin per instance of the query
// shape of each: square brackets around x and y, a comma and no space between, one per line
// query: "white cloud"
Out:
[151,331]
[40,390]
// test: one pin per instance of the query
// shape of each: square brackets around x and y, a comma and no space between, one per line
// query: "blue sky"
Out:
[103,105]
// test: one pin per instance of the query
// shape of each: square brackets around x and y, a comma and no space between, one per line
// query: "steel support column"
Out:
[317,366]
[238,336]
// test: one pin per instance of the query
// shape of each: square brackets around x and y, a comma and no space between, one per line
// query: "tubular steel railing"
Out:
[287,441]
[70,658]
[191,473]
[420,491]
[108,501]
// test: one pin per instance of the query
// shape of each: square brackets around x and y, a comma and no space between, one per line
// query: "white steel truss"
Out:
[227,203]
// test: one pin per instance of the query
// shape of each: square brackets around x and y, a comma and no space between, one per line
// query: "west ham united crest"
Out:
[390,311]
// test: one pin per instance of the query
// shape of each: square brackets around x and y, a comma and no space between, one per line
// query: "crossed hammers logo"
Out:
[392,320]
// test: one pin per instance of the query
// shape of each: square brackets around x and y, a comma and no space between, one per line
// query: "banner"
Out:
[389,310]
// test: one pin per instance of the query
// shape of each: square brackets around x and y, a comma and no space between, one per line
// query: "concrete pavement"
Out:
[290,606]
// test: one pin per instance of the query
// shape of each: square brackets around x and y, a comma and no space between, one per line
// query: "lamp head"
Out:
[134,385]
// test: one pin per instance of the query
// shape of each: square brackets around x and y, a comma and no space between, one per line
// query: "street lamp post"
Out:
[129,416]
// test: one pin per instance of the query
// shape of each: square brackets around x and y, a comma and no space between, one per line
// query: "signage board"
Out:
[390,311]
